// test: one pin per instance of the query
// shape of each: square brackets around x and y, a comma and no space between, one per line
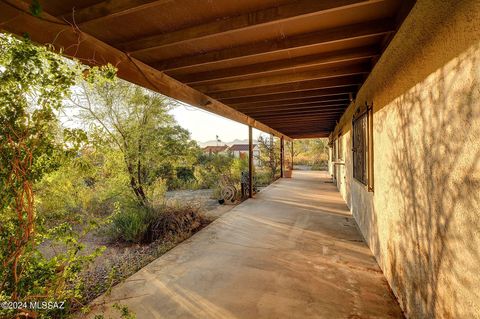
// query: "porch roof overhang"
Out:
[285,67]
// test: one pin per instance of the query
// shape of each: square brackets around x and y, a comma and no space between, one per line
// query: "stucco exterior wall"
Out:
[422,222]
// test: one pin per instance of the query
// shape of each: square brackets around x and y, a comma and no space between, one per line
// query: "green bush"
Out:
[185,174]
[320,166]
[210,168]
[263,178]
[129,223]
[136,224]
[174,221]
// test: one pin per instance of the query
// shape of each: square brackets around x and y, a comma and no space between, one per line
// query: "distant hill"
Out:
[214,142]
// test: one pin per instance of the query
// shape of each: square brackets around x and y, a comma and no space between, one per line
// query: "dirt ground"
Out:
[120,260]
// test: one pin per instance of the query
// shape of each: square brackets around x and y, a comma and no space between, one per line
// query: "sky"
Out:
[205,126]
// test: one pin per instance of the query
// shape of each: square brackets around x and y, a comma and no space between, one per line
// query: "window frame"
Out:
[366,116]
[340,155]
[334,151]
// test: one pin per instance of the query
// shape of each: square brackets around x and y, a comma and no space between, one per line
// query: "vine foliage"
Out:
[34,81]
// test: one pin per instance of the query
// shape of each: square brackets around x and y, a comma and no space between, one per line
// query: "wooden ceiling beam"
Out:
[355,31]
[108,9]
[295,102]
[315,106]
[315,74]
[15,17]
[319,134]
[312,110]
[291,120]
[243,22]
[311,129]
[296,117]
[290,97]
[294,125]
[298,114]
[305,127]
[279,65]
[346,81]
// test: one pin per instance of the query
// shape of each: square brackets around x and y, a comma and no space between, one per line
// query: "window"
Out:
[362,148]
[334,151]
[340,148]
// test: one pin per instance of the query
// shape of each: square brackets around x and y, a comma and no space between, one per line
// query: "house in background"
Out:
[241,151]
[215,149]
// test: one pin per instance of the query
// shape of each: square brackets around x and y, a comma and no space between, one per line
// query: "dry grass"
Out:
[170,226]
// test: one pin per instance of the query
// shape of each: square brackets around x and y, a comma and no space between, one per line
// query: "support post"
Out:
[282,155]
[292,152]
[250,162]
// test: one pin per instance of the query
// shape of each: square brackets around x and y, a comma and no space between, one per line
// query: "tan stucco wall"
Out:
[422,222]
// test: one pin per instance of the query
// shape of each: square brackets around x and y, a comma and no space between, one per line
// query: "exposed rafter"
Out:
[298,114]
[291,96]
[108,9]
[359,30]
[48,29]
[311,74]
[279,65]
[292,103]
[346,81]
[314,109]
[244,22]
[286,67]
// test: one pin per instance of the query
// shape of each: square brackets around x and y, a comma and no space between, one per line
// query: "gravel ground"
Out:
[120,260]
[202,198]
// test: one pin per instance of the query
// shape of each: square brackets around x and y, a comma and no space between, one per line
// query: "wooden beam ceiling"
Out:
[108,9]
[345,81]
[279,65]
[311,74]
[291,96]
[315,109]
[15,18]
[229,25]
[292,103]
[294,69]
[359,30]
[305,115]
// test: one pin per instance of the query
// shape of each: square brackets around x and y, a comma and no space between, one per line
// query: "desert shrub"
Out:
[185,174]
[263,178]
[211,167]
[129,222]
[137,224]
[320,165]
[156,191]
[239,165]
[173,221]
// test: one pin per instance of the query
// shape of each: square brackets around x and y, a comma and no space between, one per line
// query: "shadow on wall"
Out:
[434,260]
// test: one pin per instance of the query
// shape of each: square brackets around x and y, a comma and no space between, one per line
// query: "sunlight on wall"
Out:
[422,222]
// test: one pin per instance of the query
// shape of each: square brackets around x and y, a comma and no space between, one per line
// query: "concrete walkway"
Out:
[292,252]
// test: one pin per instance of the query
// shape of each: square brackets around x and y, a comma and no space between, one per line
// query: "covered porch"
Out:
[393,84]
[294,251]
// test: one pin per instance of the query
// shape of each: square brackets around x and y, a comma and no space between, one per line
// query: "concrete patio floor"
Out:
[294,251]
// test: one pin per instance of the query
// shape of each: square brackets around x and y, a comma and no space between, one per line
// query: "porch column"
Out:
[291,152]
[282,146]
[250,162]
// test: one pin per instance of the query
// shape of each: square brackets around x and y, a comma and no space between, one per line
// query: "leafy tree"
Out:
[269,154]
[135,122]
[312,151]
[33,83]
[211,167]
